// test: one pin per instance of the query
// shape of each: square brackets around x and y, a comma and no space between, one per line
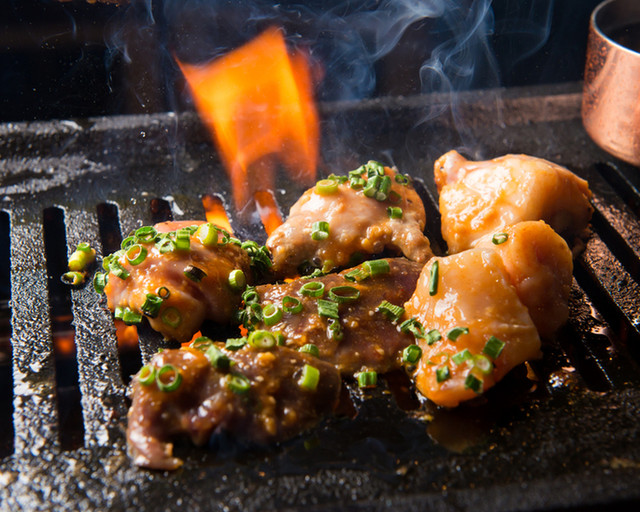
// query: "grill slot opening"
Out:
[160,210]
[67,388]
[6,377]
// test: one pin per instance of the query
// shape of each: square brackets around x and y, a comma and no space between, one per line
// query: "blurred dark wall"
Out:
[54,62]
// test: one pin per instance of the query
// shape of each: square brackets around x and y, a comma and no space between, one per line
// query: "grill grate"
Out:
[567,439]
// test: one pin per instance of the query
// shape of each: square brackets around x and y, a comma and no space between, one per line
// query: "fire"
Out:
[257,101]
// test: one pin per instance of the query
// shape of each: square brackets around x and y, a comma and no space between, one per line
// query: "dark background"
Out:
[75,59]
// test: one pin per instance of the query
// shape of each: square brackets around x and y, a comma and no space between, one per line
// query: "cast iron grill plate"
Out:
[567,438]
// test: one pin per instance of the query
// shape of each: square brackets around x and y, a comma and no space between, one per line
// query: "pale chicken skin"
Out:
[539,265]
[185,300]
[479,198]
[357,225]
[474,305]
[259,395]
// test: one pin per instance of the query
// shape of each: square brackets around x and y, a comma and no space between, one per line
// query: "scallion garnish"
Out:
[271,314]
[127,242]
[372,186]
[342,294]
[259,255]
[456,332]
[237,280]
[493,347]
[328,309]
[357,182]
[152,305]
[442,374]
[171,317]
[320,230]
[414,327]
[309,378]
[384,188]
[327,187]
[356,275]
[136,254]
[238,384]
[147,375]
[72,278]
[194,273]
[217,358]
[334,330]
[310,348]
[207,234]
[483,364]
[394,212]
[201,343]
[411,354]
[117,269]
[291,305]
[402,179]
[235,343]
[81,258]
[183,239]
[131,317]
[473,383]
[376,267]
[500,238]
[165,245]
[432,336]
[391,311]
[433,278]
[374,168]
[262,339]
[163,292]
[367,379]
[174,376]
[461,356]
[312,289]
[100,280]
[145,234]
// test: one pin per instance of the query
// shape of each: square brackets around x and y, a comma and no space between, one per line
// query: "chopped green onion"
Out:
[482,363]
[201,343]
[357,182]
[84,247]
[217,358]
[402,179]
[367,379]
[432,336]
[145,234]
[174,375]
[165,245]
[383,190]
[118,270]
[183,239]
[320,230]
[147,375]
[500,238]
[342,294]
[271,314]
[328,308]
[131,317]
[443,374]
[319,235]
[310,348]
[334,330]
[394,212]
[356,275]
[374,168]
[309,378]
[372,186]
[391,311]
[171,317]
[456,332]
[259,255]
[72,278]
[239,384]
[235,343]
[118,312]
[237,280]
[411,354]
[262,339]
[136,254]
[152,304]
[339,179]
[461,356]
[207,234]
[163,292]
[312,289]
[291,305]
[433,278]
[377,267]
[327,187]
[473,383]
[127,242]
[493,347]
[80,259]
[100,280]
[250,295]
[413,326]
[194,273]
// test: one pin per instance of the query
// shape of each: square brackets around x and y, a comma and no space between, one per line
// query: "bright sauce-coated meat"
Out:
[260,395]
[359,336]
[479,198]
[357,220]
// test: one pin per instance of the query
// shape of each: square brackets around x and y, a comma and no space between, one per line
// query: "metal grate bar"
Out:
[103,406]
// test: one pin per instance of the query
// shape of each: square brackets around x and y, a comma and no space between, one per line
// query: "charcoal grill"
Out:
[564,438]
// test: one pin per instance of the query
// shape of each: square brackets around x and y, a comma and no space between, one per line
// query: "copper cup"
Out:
[611,94]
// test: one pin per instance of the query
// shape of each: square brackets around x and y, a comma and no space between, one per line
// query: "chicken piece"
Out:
[187,285]
[357,222]
[479,198]
[539,265]
[254,394]
[362,338]
[477,329]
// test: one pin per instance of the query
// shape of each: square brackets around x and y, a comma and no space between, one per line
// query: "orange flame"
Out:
[257,101]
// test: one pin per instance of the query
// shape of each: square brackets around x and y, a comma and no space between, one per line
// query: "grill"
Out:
[565,438]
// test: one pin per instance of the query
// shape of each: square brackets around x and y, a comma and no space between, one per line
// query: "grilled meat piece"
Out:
[476,327]
[261,396]
[362,337]
[539,265]
[479,198]
[188,285]
[357,220]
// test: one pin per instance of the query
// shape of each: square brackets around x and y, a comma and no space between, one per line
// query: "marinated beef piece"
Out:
[342,218]
[480,198]
[539,265]
[177,274]
[259,395]
[476,328]
[359,336]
